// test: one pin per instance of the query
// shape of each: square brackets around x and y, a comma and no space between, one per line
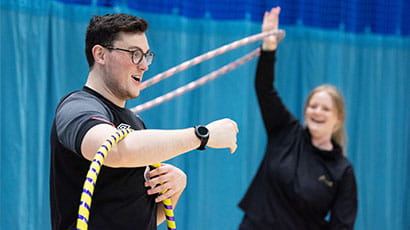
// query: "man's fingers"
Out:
[164,196]
[235,126]
[233,149]
[158,171]
[157,189]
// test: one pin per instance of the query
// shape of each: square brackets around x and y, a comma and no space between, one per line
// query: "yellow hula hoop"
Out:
[169,210]
[91,180]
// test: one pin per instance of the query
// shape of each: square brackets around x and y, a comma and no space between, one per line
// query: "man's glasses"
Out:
[137,55]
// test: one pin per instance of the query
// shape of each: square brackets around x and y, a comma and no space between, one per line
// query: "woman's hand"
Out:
[270,22]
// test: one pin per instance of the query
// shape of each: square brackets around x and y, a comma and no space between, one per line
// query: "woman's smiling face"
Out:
[321,115]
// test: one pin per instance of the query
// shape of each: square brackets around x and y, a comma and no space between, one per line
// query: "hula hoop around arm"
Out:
[91,180]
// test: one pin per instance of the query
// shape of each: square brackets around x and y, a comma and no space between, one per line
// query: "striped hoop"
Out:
[91,180]
[280,34]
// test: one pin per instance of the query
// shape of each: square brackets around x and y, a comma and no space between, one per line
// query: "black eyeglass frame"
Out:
[149,55]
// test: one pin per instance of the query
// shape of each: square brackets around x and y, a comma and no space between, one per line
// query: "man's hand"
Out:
[166,177]
[222,134]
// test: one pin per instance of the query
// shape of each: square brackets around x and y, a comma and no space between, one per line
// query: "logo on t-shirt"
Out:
[326,181]
[123,126]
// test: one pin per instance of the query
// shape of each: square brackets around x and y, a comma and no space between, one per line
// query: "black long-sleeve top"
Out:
[297,184]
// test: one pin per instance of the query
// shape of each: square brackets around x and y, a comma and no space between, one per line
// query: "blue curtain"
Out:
[361,46]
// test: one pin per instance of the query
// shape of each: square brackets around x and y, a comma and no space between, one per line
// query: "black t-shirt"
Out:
[120,200]
[297,184]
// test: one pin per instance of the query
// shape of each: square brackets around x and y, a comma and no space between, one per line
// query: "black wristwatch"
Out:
[202,133]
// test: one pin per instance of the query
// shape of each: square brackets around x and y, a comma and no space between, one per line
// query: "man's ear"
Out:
[99,54]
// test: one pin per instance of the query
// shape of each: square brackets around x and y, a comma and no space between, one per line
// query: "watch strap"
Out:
[203,134]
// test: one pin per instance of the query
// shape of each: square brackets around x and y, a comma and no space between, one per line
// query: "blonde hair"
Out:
[339,134]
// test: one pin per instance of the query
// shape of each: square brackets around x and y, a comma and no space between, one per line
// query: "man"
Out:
[118,54]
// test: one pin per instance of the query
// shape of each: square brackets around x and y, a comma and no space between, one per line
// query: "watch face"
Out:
[202,130]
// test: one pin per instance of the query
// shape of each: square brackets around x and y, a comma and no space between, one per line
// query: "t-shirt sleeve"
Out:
[75,116]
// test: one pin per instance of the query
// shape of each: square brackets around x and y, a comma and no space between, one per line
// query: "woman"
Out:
[304,180]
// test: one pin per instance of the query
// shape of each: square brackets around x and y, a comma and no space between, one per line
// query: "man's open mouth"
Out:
[137,78]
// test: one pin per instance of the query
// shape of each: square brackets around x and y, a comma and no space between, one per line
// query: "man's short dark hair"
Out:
[103,30]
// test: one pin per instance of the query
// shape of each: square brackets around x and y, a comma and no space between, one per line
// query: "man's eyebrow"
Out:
[134,47]
[137,47]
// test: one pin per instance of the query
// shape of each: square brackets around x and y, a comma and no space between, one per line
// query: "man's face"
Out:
[122,77]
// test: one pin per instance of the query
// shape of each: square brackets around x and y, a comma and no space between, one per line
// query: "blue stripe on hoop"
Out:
[101,153]
[109,141]
[85,205]
[97,161]
[105,147]
[91,181]
[81,217]
[115,138]
[95,171]
[87,192]
[171,218]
